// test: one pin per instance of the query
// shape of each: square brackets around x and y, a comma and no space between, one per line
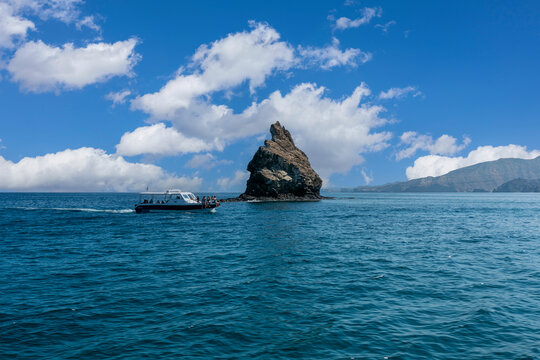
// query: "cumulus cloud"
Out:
[333,133]
[398,93]
[14,22]
[434,165]
[444,145]
[206,161]
[118,97]
[331,56]
[367,14]
[245,56]
[235,182]
[39,67]
[160,140]
[66,11]
[86,169]
[12,26]
[248,56]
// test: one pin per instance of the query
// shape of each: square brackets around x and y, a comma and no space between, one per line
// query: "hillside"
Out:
[519,185]
[481,177]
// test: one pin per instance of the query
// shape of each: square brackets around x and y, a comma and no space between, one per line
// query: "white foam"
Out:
[113,211]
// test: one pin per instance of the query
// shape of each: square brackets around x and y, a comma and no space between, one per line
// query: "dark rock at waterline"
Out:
[279,171]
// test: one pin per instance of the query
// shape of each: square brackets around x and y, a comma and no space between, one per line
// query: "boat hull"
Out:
[142,208]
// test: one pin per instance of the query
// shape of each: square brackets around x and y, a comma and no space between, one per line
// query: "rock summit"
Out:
[281,171]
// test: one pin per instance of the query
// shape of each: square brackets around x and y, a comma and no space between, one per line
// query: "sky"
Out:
[124,95]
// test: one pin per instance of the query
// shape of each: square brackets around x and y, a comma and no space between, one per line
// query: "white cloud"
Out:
[39,67]
[118,97]
[331,56]
[367,14]
[332,133]
[12,27]
[235,182]
[89,22]
[66,11]
[160,140]
[384,28]
[86,169]
[206,161]
[434,165]
[398,93]
[367,178]
[245,56]
[444,145]
[14,22]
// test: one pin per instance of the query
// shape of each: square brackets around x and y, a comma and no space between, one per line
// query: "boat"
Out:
[172,199]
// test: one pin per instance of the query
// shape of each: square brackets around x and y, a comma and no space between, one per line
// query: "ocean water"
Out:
[371,276]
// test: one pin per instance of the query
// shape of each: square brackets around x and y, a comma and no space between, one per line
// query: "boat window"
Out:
[185,197]
[192,197]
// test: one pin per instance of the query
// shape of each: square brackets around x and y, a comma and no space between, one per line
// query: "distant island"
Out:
[520,185]
[503,175]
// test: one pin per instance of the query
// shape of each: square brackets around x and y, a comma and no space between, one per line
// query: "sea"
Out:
[360,276]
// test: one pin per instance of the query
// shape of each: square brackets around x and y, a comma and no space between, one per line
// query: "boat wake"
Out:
[112,211]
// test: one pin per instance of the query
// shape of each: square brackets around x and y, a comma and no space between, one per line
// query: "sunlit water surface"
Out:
[375,276]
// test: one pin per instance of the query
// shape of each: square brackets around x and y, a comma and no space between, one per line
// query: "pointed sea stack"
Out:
[281,171]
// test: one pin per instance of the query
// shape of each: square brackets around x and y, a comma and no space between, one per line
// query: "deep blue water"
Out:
[379,276]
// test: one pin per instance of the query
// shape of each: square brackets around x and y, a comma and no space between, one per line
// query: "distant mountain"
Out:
[482,177]
[519,185]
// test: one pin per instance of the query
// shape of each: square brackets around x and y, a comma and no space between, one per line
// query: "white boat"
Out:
[173,199]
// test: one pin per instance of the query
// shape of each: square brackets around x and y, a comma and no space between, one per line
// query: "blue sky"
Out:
[372,91]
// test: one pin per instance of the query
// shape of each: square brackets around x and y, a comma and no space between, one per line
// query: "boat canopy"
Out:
[169,196]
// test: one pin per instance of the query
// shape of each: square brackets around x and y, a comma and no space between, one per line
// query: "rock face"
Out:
[281,171]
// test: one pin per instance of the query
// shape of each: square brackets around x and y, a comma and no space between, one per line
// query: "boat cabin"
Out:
[172,197]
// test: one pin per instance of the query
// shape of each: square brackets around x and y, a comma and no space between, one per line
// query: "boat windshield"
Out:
[192,196]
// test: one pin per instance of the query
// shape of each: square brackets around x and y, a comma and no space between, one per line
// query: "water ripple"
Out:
[373,276]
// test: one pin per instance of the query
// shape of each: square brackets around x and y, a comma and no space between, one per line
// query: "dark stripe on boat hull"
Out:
[147,207]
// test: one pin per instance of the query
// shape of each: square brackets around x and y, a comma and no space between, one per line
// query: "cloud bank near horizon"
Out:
[436,165]
[86,169]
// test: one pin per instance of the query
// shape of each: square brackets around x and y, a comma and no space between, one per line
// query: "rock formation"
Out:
[281,171]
